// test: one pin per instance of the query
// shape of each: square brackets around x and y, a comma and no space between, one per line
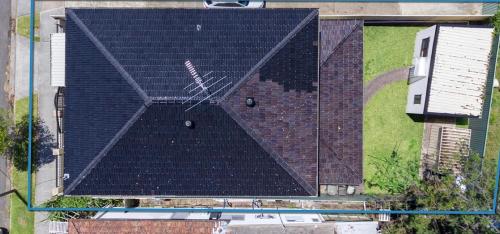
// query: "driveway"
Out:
[389,8]
[46,175]
[326,8]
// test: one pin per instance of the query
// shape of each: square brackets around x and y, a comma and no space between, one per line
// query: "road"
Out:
[5,8]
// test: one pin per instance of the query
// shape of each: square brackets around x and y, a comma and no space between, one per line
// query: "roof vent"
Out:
[250,102]
[189,124]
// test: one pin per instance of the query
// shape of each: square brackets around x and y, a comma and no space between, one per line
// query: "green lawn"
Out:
[387,125]
[23,26]
[21,221]
[493,144]
[22,107]
[387,48]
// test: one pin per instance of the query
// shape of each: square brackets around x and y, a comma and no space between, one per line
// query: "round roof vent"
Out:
[189,124]
[250,102]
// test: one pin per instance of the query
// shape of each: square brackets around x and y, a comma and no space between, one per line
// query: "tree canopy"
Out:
[473,191]
[14,142]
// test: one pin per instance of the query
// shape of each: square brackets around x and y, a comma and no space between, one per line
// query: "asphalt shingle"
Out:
[127,100]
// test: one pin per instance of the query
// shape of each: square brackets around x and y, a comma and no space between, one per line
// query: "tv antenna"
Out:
[203,90]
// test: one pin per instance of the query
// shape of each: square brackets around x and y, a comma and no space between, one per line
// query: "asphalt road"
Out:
[5,8]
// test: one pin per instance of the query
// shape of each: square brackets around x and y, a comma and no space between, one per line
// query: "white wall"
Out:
[420,87]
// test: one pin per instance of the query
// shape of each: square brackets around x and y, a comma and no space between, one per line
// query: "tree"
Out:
[15,144]
[393,174]
[444,192]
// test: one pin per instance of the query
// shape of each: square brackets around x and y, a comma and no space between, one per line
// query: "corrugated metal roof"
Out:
[460,70]
[57,59]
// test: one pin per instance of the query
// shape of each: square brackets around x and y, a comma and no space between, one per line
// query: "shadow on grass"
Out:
[17,194]
[416,118]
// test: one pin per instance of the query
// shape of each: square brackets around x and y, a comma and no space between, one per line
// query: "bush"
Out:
[77,202]
[442,192]
[393,174]
[495,20]
[15,143]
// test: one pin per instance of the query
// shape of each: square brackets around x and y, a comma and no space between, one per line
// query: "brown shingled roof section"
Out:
[341,102]
[283,123]
[80,226]
[284,120]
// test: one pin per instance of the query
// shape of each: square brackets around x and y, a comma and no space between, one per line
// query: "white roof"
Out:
[460,70]
[236,218]
[356,227]
[57,59]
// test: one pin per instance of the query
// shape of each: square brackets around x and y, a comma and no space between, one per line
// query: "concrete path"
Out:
[46,175]
[382,80]
[21,89]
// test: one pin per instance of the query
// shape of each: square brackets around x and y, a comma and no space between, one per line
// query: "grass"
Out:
[493,141]
[387,48]
[22,107]
[23,26]
[21,220]
[386,126]
[462,122]
[493,144]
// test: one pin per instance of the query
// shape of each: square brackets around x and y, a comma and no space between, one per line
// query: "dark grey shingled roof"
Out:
[126,101]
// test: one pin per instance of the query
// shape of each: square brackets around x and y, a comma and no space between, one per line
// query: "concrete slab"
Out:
[440,8]
[46,175]
[342,8]
[363,8]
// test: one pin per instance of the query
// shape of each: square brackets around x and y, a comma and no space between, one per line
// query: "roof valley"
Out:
[326,57]
[271,53]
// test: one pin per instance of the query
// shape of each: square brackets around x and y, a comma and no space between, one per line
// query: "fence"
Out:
[479,126]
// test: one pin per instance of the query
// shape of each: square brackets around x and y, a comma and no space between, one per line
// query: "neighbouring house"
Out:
[197,102]
[357,227]
[81,226]
[450,69]
[189,222]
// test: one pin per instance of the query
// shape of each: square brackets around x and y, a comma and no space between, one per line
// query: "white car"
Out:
[232,4]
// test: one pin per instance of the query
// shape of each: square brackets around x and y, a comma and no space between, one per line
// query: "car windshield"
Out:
[244,3]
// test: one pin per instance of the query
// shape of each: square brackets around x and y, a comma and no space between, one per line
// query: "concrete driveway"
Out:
[360,8]
[326,8]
